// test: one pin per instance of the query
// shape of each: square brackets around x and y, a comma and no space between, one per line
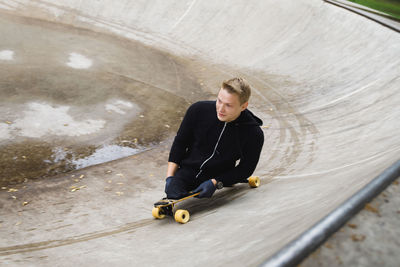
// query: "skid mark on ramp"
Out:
[4,251]
[297,134]
[336,169]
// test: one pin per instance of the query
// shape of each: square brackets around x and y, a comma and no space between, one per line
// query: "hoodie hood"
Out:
[248,118]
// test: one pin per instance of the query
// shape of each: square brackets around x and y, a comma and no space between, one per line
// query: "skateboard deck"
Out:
[165,207]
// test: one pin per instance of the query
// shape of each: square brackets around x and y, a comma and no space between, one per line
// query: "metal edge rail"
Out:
[294,252]
[380,18]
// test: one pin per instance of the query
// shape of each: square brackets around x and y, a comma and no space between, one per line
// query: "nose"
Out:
[221,108]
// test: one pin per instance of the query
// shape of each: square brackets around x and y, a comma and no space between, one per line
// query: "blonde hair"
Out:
[238,86]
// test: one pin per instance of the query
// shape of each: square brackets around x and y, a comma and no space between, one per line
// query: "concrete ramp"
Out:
[326,84]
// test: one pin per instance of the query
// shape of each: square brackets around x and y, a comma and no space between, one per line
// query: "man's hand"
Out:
[206,188]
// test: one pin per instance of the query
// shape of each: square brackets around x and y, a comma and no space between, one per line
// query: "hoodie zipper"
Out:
[212,155]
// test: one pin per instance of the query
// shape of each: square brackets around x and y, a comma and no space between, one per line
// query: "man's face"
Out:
[228,106]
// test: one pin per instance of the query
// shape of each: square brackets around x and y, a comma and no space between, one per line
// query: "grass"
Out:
[390,7]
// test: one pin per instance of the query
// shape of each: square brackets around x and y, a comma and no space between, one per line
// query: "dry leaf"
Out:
[25,203]
[74,188]
[81,177]
[358,238]
[370,208]
[12,190]
[352,225]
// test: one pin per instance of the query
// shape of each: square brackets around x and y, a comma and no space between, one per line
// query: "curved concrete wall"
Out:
[326,83]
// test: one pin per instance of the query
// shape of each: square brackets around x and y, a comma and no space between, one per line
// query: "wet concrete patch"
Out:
[71,98]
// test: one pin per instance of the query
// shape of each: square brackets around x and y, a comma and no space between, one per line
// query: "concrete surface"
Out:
[325,84]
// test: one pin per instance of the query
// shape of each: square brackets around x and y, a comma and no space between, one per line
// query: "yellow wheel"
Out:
[254,181]
[157,213]
[182,216]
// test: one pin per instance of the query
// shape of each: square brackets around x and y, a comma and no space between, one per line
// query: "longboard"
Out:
[165,207]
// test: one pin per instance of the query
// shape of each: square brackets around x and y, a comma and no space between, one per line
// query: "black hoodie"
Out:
[226,151]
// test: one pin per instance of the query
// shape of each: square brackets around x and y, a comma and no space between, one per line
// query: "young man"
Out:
[218,144]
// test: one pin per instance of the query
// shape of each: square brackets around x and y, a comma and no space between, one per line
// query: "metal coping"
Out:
[294,252]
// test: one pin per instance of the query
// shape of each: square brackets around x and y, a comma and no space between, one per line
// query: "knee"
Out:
[168,182]
[174,188]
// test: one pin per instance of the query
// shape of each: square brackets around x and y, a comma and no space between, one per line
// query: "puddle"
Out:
[103,154]
[71,98]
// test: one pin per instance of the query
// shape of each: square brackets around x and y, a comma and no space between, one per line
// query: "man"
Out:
[218,144]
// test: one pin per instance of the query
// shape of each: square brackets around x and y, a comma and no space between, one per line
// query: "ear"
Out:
[244,106]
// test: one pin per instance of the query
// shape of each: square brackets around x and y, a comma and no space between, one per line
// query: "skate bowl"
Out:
[325,83]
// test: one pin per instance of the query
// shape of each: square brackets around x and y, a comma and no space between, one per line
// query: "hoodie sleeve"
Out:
[184,136]
[248,162]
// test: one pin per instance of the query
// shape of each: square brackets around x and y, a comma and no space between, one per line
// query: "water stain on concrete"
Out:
[71,98]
